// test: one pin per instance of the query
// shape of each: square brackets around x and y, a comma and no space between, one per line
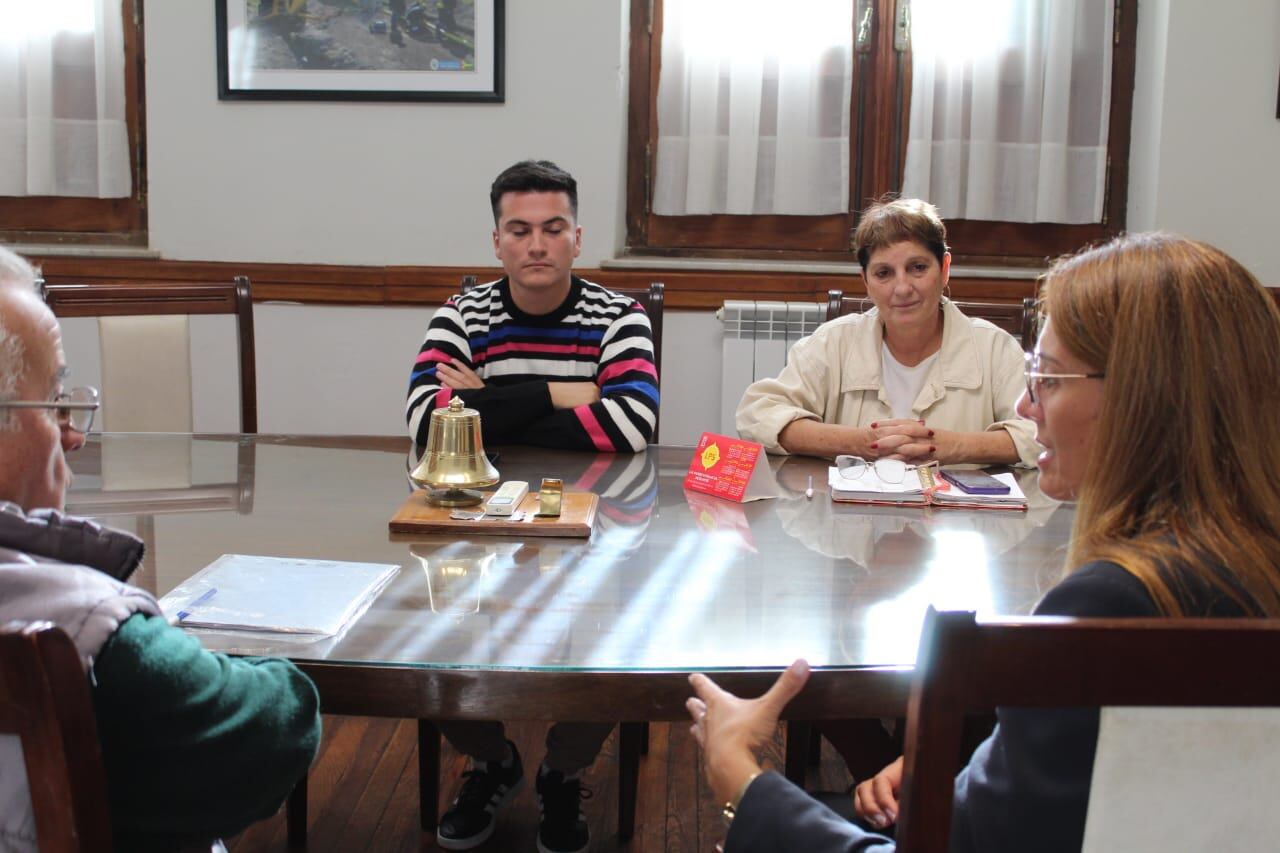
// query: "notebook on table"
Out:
[277,595]
[920,488]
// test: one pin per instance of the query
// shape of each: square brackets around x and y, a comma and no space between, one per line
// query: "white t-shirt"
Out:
[902,384]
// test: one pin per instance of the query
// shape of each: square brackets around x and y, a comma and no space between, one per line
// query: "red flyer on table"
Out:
[730,468]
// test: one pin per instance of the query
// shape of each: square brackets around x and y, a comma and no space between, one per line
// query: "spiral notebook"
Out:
[277,595]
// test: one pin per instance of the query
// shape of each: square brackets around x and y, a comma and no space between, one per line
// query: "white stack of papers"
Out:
[277,595]
[869,488]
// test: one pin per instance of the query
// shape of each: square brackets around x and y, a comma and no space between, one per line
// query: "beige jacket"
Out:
[834,376]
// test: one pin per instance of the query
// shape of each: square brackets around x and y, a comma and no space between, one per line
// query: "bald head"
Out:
[33,467]
[19,307]
[15,268]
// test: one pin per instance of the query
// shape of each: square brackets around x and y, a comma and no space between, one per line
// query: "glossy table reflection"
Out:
[608,628]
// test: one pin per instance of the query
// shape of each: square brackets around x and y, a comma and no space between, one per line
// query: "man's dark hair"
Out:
[537,176]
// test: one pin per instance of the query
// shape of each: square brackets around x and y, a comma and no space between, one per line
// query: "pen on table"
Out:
[808,493]
[196,602]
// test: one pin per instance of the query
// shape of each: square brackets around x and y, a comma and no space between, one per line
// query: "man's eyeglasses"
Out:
[74,409]
[1037,381]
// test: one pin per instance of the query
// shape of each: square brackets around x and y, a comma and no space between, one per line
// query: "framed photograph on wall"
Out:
[360,50]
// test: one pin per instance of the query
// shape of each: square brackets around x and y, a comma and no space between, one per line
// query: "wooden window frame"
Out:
[113,221]
[880,97]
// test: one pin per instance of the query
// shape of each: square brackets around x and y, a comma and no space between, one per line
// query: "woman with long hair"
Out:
[1155,391]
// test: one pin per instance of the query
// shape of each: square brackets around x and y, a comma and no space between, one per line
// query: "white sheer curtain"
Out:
[753,107]
[62,102]
[1009,107]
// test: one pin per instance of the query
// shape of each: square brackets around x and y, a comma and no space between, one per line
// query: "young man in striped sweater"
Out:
[552,360]
[547,358]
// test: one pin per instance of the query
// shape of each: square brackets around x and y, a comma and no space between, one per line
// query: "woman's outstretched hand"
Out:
[730,729]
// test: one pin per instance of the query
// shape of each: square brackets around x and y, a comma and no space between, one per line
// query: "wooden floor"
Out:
[364,790]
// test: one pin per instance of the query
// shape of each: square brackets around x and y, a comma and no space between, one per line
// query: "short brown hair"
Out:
[539,176]
[1182,476]
[893,220]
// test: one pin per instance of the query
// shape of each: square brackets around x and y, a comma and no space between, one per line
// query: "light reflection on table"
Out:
[667,582]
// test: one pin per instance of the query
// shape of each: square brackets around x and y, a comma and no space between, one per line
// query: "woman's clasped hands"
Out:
[908,439]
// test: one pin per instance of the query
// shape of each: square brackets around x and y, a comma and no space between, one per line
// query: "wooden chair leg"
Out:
[295,816]
[644,738]
[797,750]
[815,747]
[630,738]
[428,776]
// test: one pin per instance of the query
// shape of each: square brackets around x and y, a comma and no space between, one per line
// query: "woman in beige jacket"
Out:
[912,379]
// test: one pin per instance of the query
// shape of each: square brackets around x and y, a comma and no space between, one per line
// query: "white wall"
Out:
[407,184]
[1219,168]
[364,183]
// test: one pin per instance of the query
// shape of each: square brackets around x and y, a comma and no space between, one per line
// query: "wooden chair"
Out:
[179,298]
[1021,321]
[966,666]
[652,300]
[45,701]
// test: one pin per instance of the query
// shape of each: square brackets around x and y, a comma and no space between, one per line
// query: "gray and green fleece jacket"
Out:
[196,745]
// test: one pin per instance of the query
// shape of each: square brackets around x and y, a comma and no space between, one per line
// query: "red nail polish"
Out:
[875,424]
[933,449]
[930,433]
[875,445]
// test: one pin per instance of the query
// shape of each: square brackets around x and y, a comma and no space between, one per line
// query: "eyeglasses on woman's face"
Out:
[74,409]
[1038,381]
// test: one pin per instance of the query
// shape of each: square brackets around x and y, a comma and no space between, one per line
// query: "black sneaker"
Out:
[488,787]
[563,828]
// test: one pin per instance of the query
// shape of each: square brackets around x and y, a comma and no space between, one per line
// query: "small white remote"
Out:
[507,499]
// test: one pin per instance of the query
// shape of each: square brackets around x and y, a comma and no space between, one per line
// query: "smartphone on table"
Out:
[974,482]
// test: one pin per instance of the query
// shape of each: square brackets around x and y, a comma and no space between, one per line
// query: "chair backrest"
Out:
[1019,320]
[967,667]
[136,300]
[651,299]
[45,701]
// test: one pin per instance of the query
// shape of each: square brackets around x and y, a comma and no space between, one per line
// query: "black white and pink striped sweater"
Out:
[594,336]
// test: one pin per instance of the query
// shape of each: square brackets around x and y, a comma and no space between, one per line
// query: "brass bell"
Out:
[454,465]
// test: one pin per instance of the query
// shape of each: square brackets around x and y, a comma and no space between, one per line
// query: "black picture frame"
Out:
[280,53]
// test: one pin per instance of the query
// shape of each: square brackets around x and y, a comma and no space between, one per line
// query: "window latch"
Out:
[866,15]
[902,26]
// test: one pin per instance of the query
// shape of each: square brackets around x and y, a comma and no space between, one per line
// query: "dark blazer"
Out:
[1026,786]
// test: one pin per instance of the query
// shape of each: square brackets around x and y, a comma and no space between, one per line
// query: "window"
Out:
[71,141]
[758,128]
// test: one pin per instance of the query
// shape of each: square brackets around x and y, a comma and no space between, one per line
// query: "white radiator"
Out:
[757,338]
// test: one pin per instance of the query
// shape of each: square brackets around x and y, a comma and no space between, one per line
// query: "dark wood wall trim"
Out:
[323,284]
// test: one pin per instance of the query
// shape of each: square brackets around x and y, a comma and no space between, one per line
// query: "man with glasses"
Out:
[196,745]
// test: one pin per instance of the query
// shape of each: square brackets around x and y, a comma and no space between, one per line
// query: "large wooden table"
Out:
[485,627]
[609,628]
